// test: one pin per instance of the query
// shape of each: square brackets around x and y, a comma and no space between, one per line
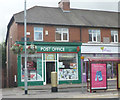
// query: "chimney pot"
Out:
[64,5]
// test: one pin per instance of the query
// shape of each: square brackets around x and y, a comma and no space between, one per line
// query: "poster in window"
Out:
[118,76]
[50,56]
[68,74]
[98,76]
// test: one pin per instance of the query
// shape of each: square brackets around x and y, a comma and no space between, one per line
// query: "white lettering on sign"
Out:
[55,49]
[45,48]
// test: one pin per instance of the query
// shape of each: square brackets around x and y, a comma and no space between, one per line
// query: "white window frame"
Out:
[96,35]
[38,31]
[62,35]
[59,72]
[115,34]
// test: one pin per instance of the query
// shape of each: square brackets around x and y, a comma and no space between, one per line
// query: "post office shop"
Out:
[63,58]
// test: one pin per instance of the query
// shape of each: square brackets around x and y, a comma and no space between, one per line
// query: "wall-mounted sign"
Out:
[105,49]
[98,76]
[57,49]
[99,49]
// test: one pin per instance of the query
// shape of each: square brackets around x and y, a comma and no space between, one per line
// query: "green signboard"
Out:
[56,49]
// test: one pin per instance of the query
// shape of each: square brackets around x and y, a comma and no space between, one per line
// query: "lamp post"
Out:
[82,59]
[25,42]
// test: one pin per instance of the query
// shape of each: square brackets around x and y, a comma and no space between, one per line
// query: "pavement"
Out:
[64,91]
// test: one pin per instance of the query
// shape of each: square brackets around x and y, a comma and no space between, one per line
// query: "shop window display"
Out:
[68,68]
[34,67]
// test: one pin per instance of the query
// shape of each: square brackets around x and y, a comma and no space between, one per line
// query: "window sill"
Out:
[39,40]
[114,42]
[94,42]
[61,41]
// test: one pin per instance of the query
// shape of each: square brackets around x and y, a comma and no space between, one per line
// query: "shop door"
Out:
[50,66]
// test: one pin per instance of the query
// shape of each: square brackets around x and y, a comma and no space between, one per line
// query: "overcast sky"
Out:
[10,7]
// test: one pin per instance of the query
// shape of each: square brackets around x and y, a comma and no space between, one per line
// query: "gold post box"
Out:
[54,82]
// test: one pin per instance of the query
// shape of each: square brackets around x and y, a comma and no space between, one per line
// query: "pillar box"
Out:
[54,82]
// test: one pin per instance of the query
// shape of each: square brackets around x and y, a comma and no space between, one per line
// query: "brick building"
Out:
[58,32]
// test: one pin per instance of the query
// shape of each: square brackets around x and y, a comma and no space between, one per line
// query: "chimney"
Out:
[64,5]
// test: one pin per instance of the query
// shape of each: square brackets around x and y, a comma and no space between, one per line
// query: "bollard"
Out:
[54,82]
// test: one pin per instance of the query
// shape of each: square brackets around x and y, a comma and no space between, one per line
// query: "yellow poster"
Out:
[118,75]
[50,56]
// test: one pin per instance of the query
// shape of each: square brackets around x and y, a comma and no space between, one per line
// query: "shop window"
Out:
[62,34]
[68,68]
[114,36]
[38,34]
[34,67]
[94,36]
[111,70]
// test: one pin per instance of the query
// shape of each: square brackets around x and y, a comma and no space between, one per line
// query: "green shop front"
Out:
[63,58]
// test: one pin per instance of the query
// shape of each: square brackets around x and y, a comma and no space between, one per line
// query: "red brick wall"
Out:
[51,34]
[85,35]
[30,28]
[105,33]
[74,34]
[11,58]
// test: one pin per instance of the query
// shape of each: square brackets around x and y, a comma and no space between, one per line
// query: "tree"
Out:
[3,62]
[3,52]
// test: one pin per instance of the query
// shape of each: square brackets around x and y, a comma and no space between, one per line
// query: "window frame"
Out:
[115,33]
[38,31]
[77,70]
[61,31]
[33,55]
[96,34]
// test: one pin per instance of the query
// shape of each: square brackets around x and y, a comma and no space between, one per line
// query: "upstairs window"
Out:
[62,34]
[114,36]
[94,35]
[38,34]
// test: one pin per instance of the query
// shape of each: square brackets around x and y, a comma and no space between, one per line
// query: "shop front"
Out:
[100,51]
[63,58]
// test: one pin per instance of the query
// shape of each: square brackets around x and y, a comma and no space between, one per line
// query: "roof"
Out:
[76,17]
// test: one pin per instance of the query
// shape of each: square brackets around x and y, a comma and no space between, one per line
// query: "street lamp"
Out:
[25,42]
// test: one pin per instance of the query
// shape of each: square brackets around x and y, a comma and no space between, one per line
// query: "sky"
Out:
[10,7]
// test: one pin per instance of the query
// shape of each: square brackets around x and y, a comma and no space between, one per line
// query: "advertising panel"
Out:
[118,76]
[98,76]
